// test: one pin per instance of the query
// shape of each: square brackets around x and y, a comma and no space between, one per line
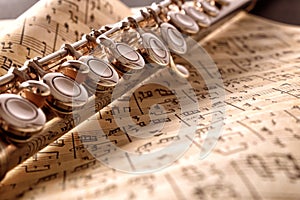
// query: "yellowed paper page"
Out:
[42,29]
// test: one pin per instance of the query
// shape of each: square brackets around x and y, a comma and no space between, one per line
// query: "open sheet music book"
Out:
[256,157]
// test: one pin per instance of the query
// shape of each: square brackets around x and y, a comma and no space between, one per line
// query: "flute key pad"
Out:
[210,9]
[101,73]
[173,38]
[154,49]
[201,18]
[223,2]
[20,117]
[66,94]
[122,56]
[184,22]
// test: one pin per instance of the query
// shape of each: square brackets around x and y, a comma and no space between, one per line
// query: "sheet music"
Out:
[42,29]
[256,157]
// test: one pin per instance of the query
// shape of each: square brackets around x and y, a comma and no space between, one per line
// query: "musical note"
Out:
[73,17]
[109,6]
[28,52]
[66,25]
[48,18]
[7,47]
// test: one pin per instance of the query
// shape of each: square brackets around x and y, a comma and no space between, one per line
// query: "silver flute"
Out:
[39,99]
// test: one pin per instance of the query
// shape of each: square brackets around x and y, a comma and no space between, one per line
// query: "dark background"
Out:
[287,11]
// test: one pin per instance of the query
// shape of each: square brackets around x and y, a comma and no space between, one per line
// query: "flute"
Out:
[38,100]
